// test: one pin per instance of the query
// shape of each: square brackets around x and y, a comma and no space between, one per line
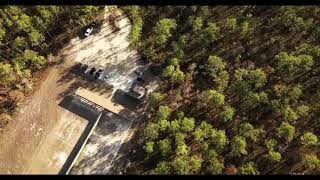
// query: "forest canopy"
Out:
[239,93]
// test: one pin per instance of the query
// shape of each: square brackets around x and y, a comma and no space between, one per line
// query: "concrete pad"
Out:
[57,145]
[103,145]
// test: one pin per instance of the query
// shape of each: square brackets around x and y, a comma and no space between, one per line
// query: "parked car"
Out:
[77,67]
[140,79]
[93,23]
[136,91]
[98,74]
[144,58]
[106,76]
[92,71]
[137,72]
[90,28]
[84,68]
[88,31]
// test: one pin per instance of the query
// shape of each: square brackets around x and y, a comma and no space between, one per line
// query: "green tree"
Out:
[291,64]
[215,65]
[19,43]
[257,77]
[33,57]
[310,162]
[83,14]
[196,23]
[6,73]
[238,146]
[219,139]
[23,24]
[179,138]
[187,124]
[174,62]
[227,114]
[202,132]
[177,76]
[163,112]
[168,71]
[309,139]
[149,147]
[210,33]
[182,149]
[215,166]
[136,31]
[285,130]
[248,131]
[195,163]
[231,24]
[181,166]
[241,88]
[222,80]
[174,126]
[270,144]
[244,28]
[36,38]
[273,156]
[163,168]
[155,98]
[303,110]
[165,147]
[290,115]
[256,99]
[212,98]
[151,131]
[249,168]
[163,30]
[163,125]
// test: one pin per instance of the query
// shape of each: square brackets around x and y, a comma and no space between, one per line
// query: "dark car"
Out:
[140,79]
[98,74]
[92,71]
[84,68]
[155,69]
[77,67]
[93,23]
[137,72]
[144,59]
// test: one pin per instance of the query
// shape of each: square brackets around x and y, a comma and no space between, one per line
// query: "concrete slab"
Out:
[57,145]
[103,145]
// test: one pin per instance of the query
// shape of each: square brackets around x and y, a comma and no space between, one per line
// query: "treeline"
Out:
[239,93]
[25,33]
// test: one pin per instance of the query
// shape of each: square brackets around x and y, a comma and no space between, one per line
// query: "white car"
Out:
[88,31]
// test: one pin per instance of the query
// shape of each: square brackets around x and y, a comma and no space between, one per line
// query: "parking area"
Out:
[110,52]
[53,123]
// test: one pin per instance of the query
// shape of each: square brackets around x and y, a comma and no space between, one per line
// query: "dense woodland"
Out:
[240,90]
[28,41]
